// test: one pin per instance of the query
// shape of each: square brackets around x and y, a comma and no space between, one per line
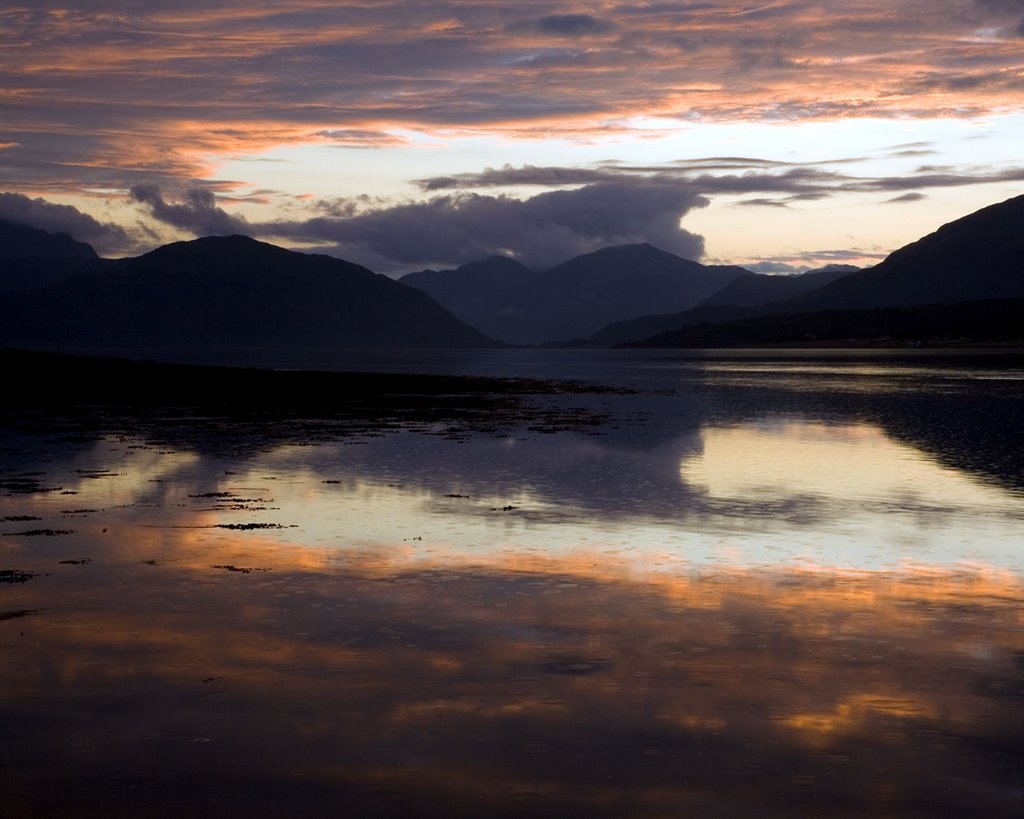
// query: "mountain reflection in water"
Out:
[732,600]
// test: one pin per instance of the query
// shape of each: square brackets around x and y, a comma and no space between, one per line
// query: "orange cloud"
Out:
[168,92]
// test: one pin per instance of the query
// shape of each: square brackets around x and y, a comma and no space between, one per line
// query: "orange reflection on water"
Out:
[397,683]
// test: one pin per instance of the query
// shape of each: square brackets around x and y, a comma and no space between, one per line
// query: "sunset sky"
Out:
[404,135]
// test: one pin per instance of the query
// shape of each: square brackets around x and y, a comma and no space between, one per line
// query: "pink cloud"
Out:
[100,98]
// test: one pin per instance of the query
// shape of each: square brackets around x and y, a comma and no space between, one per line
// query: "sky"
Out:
[403,135]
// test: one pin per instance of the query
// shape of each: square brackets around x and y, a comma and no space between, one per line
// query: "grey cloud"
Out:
[796,181]
[761,203]
[839,256]
[754,178]
[1004,11]
[774,267]
[907,197]
[573,24]
[949,179]
[727,162]
[199,212]
[106,238]
[526,175]
[540,231]
[360,138]
[808,196]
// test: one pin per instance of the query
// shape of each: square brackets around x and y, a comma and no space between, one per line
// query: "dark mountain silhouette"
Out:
[758,288]
[644,327]
[478,293]
[577,297]
[232,291]
[748,295]
[24,242]
[994,320]
[30,257]
[979,258]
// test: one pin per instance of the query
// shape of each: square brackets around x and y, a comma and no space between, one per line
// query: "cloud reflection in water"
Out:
[653,628]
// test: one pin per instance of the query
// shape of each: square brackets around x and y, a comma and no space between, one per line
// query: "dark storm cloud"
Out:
[572,25]
[106,238]
[582,210]
[540,231]
[199,212]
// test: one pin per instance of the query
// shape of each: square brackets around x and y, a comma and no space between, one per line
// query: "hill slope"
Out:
[23,242]
[478,293]
[576,298]
[753,289]
[31,258]
[979,258]
[232,291]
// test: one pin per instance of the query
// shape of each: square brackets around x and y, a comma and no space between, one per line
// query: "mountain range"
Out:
[224,291]
[236,291]
[506,300]
[978,258]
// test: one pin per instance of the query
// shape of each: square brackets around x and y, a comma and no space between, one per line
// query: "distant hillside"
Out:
[478,293]
[644,327]
[231,291]
[996,320]
[31,258]
[576,298]
[980,256]
[757,288]
[751,294]
[24,242]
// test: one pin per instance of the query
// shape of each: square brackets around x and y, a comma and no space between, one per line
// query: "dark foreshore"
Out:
[174,400]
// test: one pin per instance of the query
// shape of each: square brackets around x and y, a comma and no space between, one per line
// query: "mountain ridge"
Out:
[975,260]
[575,298]
[233,291]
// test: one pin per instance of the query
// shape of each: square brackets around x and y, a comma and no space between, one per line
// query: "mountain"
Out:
[980,256]
[977,259]
[476,292]
[231,291]
[31,258]
[24,242]
[644,327]
[987,321]
[750,294]
[574,299]
[757,288]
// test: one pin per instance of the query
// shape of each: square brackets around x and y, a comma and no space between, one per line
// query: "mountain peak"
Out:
[235,246]
[19,241]
[979,256]
[495,264]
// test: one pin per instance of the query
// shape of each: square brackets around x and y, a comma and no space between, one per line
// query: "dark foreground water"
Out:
[758,587]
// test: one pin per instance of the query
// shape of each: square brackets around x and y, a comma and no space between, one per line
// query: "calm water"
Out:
[785,587]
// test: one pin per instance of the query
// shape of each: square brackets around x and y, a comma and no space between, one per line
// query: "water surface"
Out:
[780,587]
